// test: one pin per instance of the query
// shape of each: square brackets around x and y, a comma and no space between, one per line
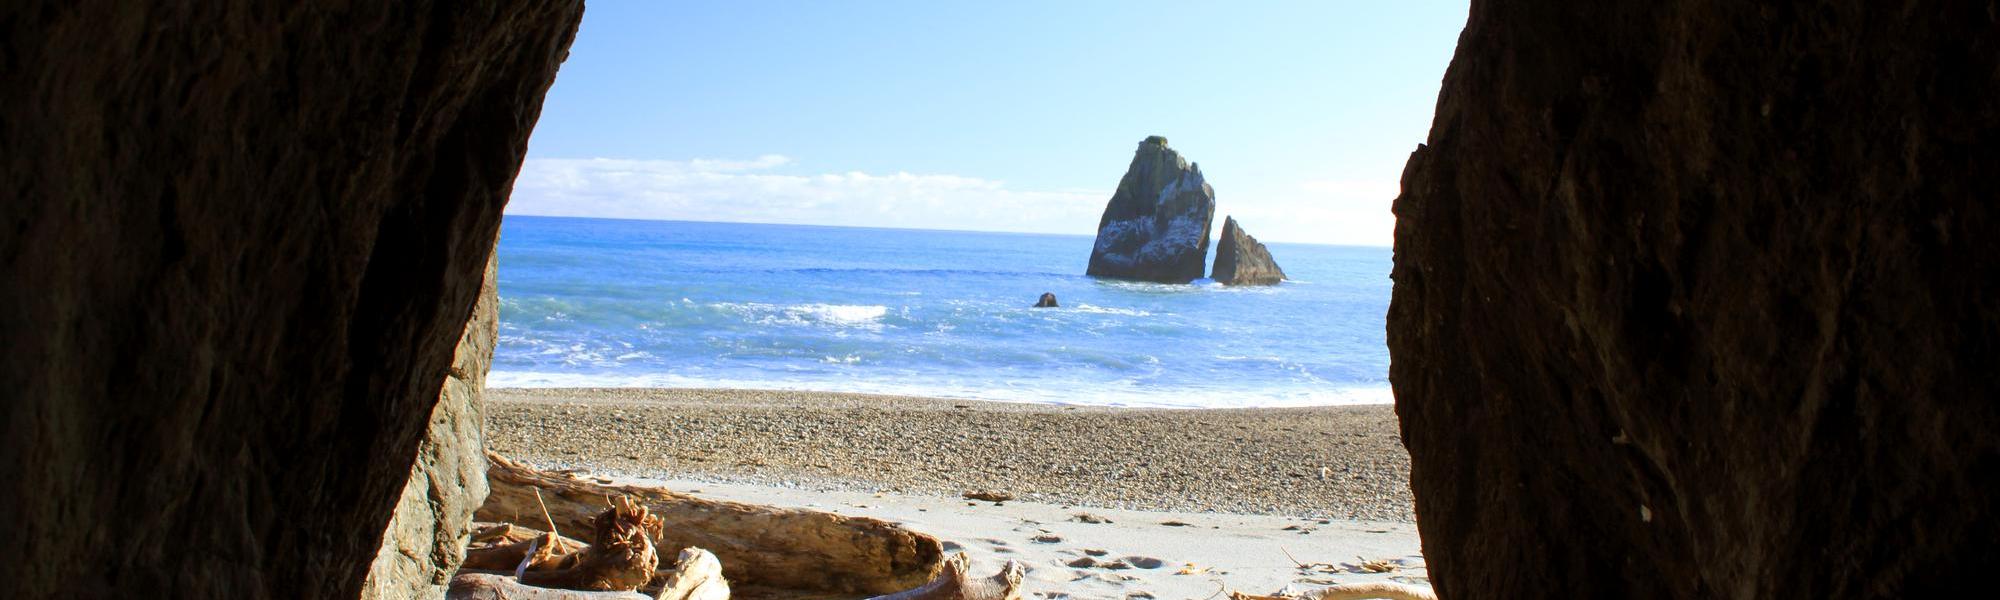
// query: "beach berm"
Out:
[1343,462]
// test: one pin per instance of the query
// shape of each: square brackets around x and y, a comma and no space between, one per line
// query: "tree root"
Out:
[620,556]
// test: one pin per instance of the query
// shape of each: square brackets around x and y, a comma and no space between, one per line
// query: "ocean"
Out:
[619,303]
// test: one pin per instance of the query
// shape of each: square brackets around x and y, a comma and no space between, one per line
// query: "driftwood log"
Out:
[483,586]
[501,548]
[954,582]
[696,576]
[1353,591]
[757,545]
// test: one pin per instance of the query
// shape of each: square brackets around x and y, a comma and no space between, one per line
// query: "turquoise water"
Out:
[614,303]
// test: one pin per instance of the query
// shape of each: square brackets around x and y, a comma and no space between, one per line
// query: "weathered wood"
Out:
[504,551]
[481,586]
[1353,591]
[953,582]
[696,576]
[756,545]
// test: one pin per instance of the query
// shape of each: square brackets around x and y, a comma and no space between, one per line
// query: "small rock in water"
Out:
[1048,301]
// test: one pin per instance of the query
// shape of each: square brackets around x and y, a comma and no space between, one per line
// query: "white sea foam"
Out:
[836,315]
[1106,310]
[839,314]
[1079,396]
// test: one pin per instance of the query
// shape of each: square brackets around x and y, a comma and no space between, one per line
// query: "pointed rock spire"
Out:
[1155,228]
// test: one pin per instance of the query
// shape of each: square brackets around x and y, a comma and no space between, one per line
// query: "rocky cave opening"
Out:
[1692,299]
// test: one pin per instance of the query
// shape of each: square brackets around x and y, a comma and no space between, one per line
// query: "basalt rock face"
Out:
[1156,226]
[1698,300]
[1242,260]
[240,244]
[425,541]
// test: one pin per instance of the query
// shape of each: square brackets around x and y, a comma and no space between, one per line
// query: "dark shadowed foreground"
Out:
[238,245]
[1701,299]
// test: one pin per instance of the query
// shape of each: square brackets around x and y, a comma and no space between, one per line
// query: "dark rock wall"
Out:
[424,543]
[1702,299]
[239,244]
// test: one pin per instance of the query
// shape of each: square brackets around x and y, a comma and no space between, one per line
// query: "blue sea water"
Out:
[617,303]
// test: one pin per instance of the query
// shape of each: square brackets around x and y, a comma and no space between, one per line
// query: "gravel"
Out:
[1326,462]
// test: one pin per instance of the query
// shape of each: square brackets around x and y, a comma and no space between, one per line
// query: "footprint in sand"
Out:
[950,546]
[1082,575]
[1047,538]
[1129,562]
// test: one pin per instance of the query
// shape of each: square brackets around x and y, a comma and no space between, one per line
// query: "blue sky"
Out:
[1017,116]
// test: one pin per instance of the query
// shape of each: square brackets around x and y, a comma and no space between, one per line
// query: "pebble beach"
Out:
[1339,462]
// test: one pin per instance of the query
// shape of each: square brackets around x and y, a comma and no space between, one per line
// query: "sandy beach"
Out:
[1110,502]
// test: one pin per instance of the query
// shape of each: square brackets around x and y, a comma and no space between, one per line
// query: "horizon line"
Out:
[505,215]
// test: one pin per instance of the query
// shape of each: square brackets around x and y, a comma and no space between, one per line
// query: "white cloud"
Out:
[1327,211]
[745,191]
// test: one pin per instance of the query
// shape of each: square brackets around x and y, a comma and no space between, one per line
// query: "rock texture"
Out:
[1242,260]
[241,242]
[425,540]
[1156,226]
[1698,300]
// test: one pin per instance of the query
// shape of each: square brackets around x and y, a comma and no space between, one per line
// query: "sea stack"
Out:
[1156,226]
[1242,260]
